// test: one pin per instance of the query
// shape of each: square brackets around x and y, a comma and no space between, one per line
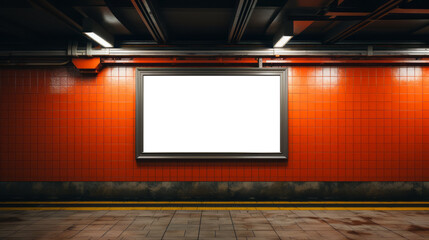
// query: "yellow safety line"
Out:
[202,202]
[213,208]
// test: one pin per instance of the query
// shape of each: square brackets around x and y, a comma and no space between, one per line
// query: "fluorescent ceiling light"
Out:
[282,41]
[98,39]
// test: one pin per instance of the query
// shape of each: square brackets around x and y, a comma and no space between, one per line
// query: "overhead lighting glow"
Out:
[282,41]
[98,39]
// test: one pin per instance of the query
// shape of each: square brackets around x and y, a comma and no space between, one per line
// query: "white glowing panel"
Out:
[211,114]
[99,39]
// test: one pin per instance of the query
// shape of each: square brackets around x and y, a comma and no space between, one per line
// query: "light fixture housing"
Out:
[282,41]
[96,33]
[283,35]
[98,39]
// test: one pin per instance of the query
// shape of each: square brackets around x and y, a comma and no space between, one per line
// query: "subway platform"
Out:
[214,220]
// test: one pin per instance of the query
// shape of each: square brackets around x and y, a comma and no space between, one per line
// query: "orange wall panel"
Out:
[345,124]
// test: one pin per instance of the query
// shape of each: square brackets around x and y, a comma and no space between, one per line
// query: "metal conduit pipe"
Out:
[35,62]
[269,52]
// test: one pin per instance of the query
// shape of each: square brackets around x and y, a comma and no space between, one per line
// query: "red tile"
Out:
[345,124]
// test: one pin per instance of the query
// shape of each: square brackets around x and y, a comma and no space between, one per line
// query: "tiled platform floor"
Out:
[300,224]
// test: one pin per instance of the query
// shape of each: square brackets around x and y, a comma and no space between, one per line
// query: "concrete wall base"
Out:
[215,191]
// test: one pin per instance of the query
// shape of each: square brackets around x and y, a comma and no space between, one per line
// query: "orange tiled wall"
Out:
[345,124]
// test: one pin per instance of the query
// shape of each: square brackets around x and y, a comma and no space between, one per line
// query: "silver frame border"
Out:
[282,72]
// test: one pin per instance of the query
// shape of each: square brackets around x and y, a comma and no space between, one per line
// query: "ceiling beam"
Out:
[15,29]
[346,29]
[410,11]
[115,11]
[242,16]
[147,13]
[45,5]
[275,21]
[363,14]
[290,28]
[300,26]
[293,11]
[334,14]
[76,20]
[422,30]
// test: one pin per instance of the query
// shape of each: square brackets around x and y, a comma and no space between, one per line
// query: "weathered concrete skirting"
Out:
[215,191]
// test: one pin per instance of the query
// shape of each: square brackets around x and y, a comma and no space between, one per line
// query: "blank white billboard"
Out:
[211,114]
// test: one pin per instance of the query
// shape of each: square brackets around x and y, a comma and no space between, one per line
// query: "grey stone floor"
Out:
[298,224]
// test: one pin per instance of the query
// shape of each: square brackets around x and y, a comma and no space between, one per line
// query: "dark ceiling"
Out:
[192,23]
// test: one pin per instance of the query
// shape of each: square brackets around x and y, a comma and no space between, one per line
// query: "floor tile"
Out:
[246,225]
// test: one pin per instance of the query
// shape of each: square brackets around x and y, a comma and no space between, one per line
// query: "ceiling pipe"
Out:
[346,29]
[268,52]
[34,62]
[261,61]
[243,13]
[150,18]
